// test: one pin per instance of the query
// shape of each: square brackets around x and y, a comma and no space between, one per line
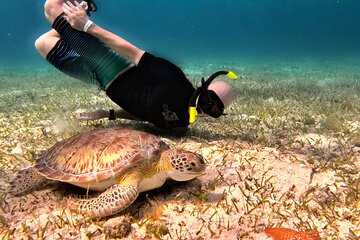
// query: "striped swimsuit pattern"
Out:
[82,56]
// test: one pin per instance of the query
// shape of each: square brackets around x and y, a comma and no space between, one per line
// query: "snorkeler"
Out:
[147,88]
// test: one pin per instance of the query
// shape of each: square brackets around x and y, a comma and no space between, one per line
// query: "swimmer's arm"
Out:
[77,17]
[117,43]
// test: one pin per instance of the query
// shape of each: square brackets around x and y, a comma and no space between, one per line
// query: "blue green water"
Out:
[202,30]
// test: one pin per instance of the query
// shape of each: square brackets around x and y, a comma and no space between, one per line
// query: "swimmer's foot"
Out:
[99,114]
[91,6]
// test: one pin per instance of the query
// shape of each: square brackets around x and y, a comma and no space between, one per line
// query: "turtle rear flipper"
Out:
[26,181]
[113,200]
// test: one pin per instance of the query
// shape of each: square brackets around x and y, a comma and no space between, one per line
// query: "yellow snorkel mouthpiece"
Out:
[193,113]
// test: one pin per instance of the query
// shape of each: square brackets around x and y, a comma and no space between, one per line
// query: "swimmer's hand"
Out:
[76,14]
[98,114]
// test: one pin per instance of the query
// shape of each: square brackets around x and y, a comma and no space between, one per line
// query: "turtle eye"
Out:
[201,159]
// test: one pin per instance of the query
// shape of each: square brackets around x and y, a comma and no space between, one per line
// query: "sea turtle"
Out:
[120,162]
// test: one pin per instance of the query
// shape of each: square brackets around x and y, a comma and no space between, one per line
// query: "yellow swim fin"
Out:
[231,75]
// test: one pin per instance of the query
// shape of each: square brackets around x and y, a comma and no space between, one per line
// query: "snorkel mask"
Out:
[207,94]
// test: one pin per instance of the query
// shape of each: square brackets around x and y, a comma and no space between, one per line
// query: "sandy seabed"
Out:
[286,155]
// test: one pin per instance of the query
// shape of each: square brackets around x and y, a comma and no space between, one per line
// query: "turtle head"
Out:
[183,165]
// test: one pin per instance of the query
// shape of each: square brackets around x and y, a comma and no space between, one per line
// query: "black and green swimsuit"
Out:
[156,90]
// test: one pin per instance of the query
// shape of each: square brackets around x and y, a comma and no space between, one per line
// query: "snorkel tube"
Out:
[204,85]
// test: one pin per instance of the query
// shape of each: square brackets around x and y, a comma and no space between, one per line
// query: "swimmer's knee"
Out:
[48,6]
[40,43]
[52,9]
[45,43]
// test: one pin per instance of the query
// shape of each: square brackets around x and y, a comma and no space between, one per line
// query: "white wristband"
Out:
[87,25]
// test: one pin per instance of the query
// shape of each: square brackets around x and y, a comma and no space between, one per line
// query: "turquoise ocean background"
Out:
[286,154]
[203,30]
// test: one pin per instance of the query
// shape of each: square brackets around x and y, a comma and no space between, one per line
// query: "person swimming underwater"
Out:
[146,87]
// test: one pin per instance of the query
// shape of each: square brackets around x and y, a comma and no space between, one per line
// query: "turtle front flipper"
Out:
[26,181]
[113,200]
